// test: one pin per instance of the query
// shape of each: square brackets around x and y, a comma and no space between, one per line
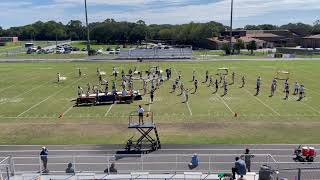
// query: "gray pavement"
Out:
[111,59]
[171,158]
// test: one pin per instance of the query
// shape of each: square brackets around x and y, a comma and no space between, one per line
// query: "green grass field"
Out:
[31,101]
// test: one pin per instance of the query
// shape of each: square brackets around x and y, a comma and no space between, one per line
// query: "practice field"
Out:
[31,102]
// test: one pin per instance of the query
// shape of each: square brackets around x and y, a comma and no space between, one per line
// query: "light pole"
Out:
[231,21]
[88,32]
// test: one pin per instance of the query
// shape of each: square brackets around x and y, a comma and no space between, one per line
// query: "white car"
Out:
[100,51]
[60,51]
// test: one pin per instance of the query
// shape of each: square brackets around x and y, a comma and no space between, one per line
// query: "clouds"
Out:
[159,11]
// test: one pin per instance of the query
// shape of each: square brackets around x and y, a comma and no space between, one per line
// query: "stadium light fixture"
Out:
[87,24]
[231,23]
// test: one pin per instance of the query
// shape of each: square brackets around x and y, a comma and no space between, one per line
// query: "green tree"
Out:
[239,45]
[226,48]
[252,45]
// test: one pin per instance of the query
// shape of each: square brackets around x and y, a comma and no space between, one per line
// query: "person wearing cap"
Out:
[44,157]
[194,161]
[69,169]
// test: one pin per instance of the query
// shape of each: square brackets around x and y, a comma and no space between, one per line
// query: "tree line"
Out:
[111,31]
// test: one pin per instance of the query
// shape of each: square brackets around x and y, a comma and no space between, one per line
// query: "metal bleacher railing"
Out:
[173,53]
[154,163]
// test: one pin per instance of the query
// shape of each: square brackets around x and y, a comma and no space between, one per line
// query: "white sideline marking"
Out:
[189,109]
[69,109]
[310,107]
[263,103]
[187,102]
[149,108]
[6,88]
[29,90]
[46,99]
[108,110]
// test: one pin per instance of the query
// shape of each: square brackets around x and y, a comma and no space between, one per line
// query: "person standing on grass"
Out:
[302,93]
[275,84]
[44,158]
[80,91]
[273,89]
[98,71]
[152,95]
[285,85]
[193,75]
[79,72]
[217,85]
[296,88]
[100,78]
[106,89]
[233,76]
[286,89]
[207,76]
[195,85]
[220,78]
[181,88]
[243,81]
[144,87]
[247,159]
[140,114]
[174,86]
[88,87]
[186,95]
[258,85]
[115,75]
[225,87]
[210,81]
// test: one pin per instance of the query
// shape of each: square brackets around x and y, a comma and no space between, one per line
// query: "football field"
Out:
[31,102]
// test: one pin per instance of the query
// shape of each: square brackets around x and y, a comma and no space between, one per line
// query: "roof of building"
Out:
[264,35]
[317,36]
[244,39]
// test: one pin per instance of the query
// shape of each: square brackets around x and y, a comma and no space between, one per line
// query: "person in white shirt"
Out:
[302,95]
[140,114]
[296,88]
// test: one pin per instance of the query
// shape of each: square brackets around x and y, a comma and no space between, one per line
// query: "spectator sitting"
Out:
[239,168]
[124,92]
[70,170]
[111,170]
[194,161]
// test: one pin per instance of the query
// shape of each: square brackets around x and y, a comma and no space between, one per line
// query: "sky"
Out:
[278,12]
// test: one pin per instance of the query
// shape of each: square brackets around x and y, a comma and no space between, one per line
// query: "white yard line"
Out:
[6,88]
[310,107]
[149,108]
[189,108]
[69,109]
[312,91]
[225,103]
[46,98]
[273,110]
[105,115]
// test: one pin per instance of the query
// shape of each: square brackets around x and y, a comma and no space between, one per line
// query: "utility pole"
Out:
[231,23]
[88,32]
